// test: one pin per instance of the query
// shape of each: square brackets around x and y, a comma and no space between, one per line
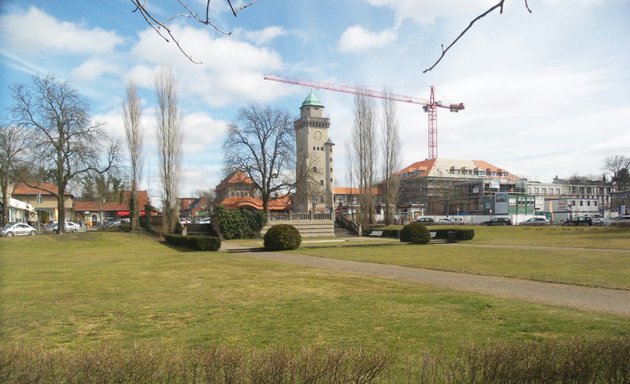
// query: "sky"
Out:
[546,93]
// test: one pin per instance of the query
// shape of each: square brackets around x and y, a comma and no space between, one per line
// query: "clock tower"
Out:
[314,159]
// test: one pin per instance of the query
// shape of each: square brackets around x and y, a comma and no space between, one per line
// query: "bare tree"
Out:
[132,114]
[65,143]
[160,26]
[170,136]
[261,143]
[351,176]
[391,158]
[13,146]
[365,154]
[619,166]
[498,6]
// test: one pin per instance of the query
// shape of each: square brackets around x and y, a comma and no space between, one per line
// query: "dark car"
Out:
[425,220]
[579,221]
[497,221]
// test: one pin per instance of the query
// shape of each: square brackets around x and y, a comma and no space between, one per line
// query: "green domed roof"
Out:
[312,101]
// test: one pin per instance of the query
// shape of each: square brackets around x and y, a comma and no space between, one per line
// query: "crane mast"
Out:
[430,106]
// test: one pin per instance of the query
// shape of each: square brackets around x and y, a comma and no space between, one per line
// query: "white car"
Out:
[69,227]
[18,229]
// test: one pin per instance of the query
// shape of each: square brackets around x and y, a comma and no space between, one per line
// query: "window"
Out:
[581,203]
[588,203]
[595,203]
[321,182]
[314,169]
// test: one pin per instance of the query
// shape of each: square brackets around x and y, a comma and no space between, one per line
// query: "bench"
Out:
[376,233]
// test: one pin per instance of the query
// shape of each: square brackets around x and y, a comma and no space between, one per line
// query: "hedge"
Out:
[442,233]
[196,243]
[460,234]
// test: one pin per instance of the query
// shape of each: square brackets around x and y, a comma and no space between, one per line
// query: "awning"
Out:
[20,205]
[127,213]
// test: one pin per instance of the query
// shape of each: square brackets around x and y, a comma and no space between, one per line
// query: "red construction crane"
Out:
[430,106]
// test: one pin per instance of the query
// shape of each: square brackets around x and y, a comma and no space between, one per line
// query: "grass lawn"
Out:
[544,254]
[120,290]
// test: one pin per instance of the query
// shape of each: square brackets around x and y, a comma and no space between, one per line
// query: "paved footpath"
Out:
[613,301]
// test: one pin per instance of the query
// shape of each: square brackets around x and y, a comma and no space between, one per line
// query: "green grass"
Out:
[552,236]
[121,290]
[544,254]
[556,236]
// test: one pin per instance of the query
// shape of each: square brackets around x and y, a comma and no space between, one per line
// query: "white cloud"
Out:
[93,69]
[201,132]
[261,37]
[231,70]
[36,33]
[357,38]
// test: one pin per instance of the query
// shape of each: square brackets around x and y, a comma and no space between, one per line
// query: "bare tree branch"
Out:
[261,143]
[499,6]
[159,26]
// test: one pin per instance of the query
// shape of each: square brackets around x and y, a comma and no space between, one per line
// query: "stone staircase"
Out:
[307,228]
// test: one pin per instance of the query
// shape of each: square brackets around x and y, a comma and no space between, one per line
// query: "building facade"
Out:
[449,186]
[42,200]
[596,192]
[314,159]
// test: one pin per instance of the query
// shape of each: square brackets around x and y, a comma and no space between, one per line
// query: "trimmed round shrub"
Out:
[282,237]
[415,233]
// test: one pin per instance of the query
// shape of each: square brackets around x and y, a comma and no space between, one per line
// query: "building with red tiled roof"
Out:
[347,195]
[42,197]
[97,212]
[237,191]
[450,186]
[192,207]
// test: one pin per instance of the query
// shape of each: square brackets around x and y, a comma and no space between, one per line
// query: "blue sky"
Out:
[546,93]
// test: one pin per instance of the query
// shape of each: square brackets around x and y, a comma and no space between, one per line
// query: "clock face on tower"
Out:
[317,135]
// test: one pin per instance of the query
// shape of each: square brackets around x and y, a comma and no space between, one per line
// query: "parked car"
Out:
[623,220]
[535,221]
[451,220]
[598,221]
[497,221]
[68,227]
[205,220]
[425,220]
[579,221]
[18,229]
